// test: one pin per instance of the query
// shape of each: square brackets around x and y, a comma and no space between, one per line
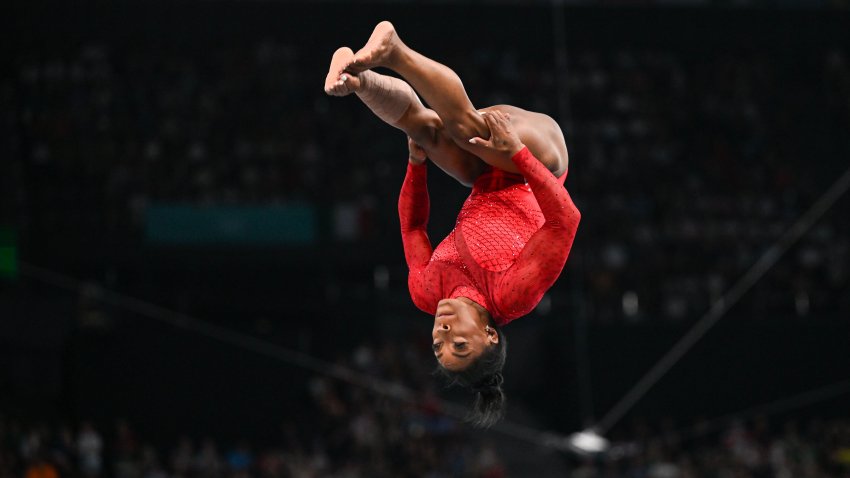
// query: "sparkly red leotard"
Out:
[509,244]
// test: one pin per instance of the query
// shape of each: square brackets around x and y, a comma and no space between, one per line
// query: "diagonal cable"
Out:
[244,341]
[725,302]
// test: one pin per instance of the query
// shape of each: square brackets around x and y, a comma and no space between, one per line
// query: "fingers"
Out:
[492,119]
[492,122]
[417,153]
[496,120]
[478,141]
[503,138]
[414,147]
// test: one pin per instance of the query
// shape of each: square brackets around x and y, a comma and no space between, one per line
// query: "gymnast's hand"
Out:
[417,154]
[504,140]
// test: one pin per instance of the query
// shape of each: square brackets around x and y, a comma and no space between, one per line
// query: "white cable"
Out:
[725,302]
[377,385]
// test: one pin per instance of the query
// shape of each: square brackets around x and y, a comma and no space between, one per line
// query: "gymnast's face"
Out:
[461,333]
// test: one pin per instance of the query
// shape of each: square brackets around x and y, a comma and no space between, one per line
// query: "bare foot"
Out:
[377,51]
[338,82]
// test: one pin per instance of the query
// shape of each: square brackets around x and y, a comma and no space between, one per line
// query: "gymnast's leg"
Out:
[443,90]
[395,103]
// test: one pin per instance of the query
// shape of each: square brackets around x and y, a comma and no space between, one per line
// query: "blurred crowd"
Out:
[370,445]
[755,448]
[339,430]
[686,165]
[697,164]
[379,440]
[397,426]
[388,419]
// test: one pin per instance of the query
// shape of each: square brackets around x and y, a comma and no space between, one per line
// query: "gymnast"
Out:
[515,230]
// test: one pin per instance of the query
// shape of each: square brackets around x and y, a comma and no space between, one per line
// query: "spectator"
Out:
[89,450]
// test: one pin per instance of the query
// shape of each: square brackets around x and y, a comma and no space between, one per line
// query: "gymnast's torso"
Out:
[492,229]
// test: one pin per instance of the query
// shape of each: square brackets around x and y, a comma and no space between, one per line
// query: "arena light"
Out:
[587,442]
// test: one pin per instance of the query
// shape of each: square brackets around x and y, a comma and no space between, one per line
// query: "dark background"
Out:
[67,354]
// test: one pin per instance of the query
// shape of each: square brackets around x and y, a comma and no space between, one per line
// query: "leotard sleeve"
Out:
[543,257]
[413,212]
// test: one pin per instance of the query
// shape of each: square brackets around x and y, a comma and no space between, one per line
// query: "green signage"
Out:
[292,224]
[8,254]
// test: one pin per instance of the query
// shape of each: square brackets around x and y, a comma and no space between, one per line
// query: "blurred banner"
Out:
[8,254]
[233,225]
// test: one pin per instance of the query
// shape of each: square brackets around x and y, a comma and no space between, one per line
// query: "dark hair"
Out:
[484,377]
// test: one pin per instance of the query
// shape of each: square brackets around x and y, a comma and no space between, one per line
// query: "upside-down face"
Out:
[461,333]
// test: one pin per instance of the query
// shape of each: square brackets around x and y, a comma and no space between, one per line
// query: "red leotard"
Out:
[509,244]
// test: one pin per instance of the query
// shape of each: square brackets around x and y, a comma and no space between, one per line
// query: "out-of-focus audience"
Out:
[341,430]
[375,441]
[346,430]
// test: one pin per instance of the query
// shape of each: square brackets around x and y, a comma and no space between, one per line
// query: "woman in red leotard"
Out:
[514,232]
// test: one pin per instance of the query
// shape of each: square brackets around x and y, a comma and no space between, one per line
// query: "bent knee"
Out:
[426,136]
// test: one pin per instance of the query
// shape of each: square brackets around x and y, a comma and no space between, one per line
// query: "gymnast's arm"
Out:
[414,209]
[543,257]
